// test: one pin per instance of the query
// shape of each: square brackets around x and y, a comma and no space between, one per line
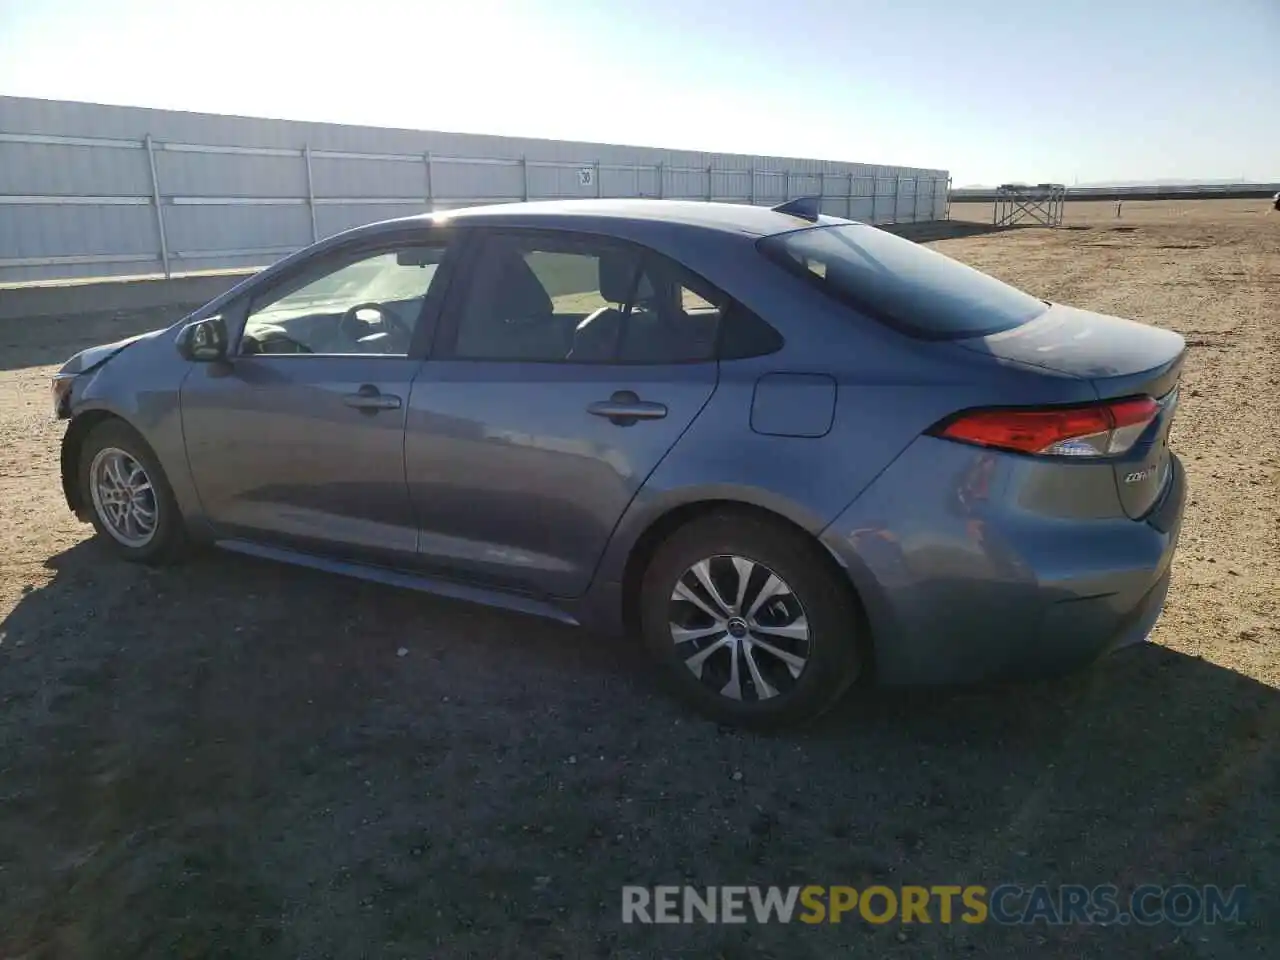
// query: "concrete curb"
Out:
[100,296]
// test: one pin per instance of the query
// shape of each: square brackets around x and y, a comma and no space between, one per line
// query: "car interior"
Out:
[371,327]
[642,320]
[371,305]
[647,313]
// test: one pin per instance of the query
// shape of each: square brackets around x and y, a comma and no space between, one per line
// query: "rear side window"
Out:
[903,284]
[743,334]
[674,317]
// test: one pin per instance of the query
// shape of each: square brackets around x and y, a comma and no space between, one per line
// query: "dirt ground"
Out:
[233,759]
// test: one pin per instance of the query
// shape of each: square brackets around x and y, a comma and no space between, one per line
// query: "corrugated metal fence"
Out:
[91,190]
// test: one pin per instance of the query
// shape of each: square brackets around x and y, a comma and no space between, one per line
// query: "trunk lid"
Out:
[1121,358]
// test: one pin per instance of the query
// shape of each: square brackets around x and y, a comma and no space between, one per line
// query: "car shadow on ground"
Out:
[235,758]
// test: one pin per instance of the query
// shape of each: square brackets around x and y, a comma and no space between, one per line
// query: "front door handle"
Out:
[624,408]
[369,399]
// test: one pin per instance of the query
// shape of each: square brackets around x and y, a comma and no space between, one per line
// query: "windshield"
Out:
[902,283]
[384,278]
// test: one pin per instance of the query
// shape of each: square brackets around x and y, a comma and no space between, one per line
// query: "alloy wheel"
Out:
[123,497]
[739,628]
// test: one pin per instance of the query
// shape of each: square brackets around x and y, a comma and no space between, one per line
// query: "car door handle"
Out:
[370,399]
[625,408]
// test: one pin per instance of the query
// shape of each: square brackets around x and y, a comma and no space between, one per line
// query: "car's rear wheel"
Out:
[748,622]
[131,504]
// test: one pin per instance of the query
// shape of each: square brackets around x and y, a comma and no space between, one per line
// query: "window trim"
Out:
[433,302]
[470,257]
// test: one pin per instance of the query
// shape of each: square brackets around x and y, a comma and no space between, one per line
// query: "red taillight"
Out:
[1097,430]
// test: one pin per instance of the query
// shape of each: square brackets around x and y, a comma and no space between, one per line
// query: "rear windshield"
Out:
[901,283]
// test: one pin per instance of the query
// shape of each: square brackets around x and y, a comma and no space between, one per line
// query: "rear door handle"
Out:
[369,399]
[624,408]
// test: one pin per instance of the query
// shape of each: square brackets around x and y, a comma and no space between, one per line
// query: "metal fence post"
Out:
[524,177]
[660,178]
[155,201]
[822,190]
[751,190]
[848,207]
[597,179]
[947,214]
[431,202]
[897,192]
[875,189]
[311,192]
[710,191]
[787,194]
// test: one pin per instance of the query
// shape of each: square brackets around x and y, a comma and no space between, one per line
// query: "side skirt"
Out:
[516,603]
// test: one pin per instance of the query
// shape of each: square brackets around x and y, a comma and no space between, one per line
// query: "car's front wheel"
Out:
[749,623]
[131,503]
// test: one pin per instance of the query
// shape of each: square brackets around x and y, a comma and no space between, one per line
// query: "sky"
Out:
[992,90]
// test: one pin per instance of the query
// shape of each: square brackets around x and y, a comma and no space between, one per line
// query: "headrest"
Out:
[617,274]
[519,295]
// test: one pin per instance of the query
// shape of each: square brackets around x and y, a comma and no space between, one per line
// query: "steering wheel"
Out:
[354,328]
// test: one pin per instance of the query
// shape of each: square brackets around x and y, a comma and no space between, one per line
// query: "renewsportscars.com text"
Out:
[1009,904]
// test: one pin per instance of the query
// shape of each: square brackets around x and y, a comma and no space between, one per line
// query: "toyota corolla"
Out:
[788,451]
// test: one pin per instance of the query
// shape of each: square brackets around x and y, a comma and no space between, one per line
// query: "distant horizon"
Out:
[1164,182]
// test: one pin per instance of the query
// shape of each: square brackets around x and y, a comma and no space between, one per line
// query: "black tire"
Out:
[169,540]
[827,603]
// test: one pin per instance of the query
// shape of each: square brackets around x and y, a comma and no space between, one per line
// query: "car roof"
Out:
[735,218]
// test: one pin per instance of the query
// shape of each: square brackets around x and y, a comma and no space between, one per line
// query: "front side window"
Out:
[583,300]
[901,283]
[366,303]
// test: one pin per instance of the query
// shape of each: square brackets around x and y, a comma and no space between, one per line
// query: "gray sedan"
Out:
[788,451]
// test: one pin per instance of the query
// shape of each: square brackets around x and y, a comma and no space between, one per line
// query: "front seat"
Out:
[512,321]
[596,338]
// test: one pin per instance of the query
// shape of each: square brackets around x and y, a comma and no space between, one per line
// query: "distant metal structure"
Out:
[1040,203]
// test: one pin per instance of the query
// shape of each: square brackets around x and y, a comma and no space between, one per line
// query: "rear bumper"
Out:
[959,592]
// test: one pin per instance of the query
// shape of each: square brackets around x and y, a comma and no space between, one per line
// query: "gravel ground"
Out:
[237,759]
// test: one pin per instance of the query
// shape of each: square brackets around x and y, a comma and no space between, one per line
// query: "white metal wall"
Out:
[92,190]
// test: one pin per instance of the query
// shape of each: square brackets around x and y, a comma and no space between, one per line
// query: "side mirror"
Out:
[203,341]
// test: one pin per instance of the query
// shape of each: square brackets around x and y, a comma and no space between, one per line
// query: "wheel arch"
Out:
[667,523]
[72,442]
